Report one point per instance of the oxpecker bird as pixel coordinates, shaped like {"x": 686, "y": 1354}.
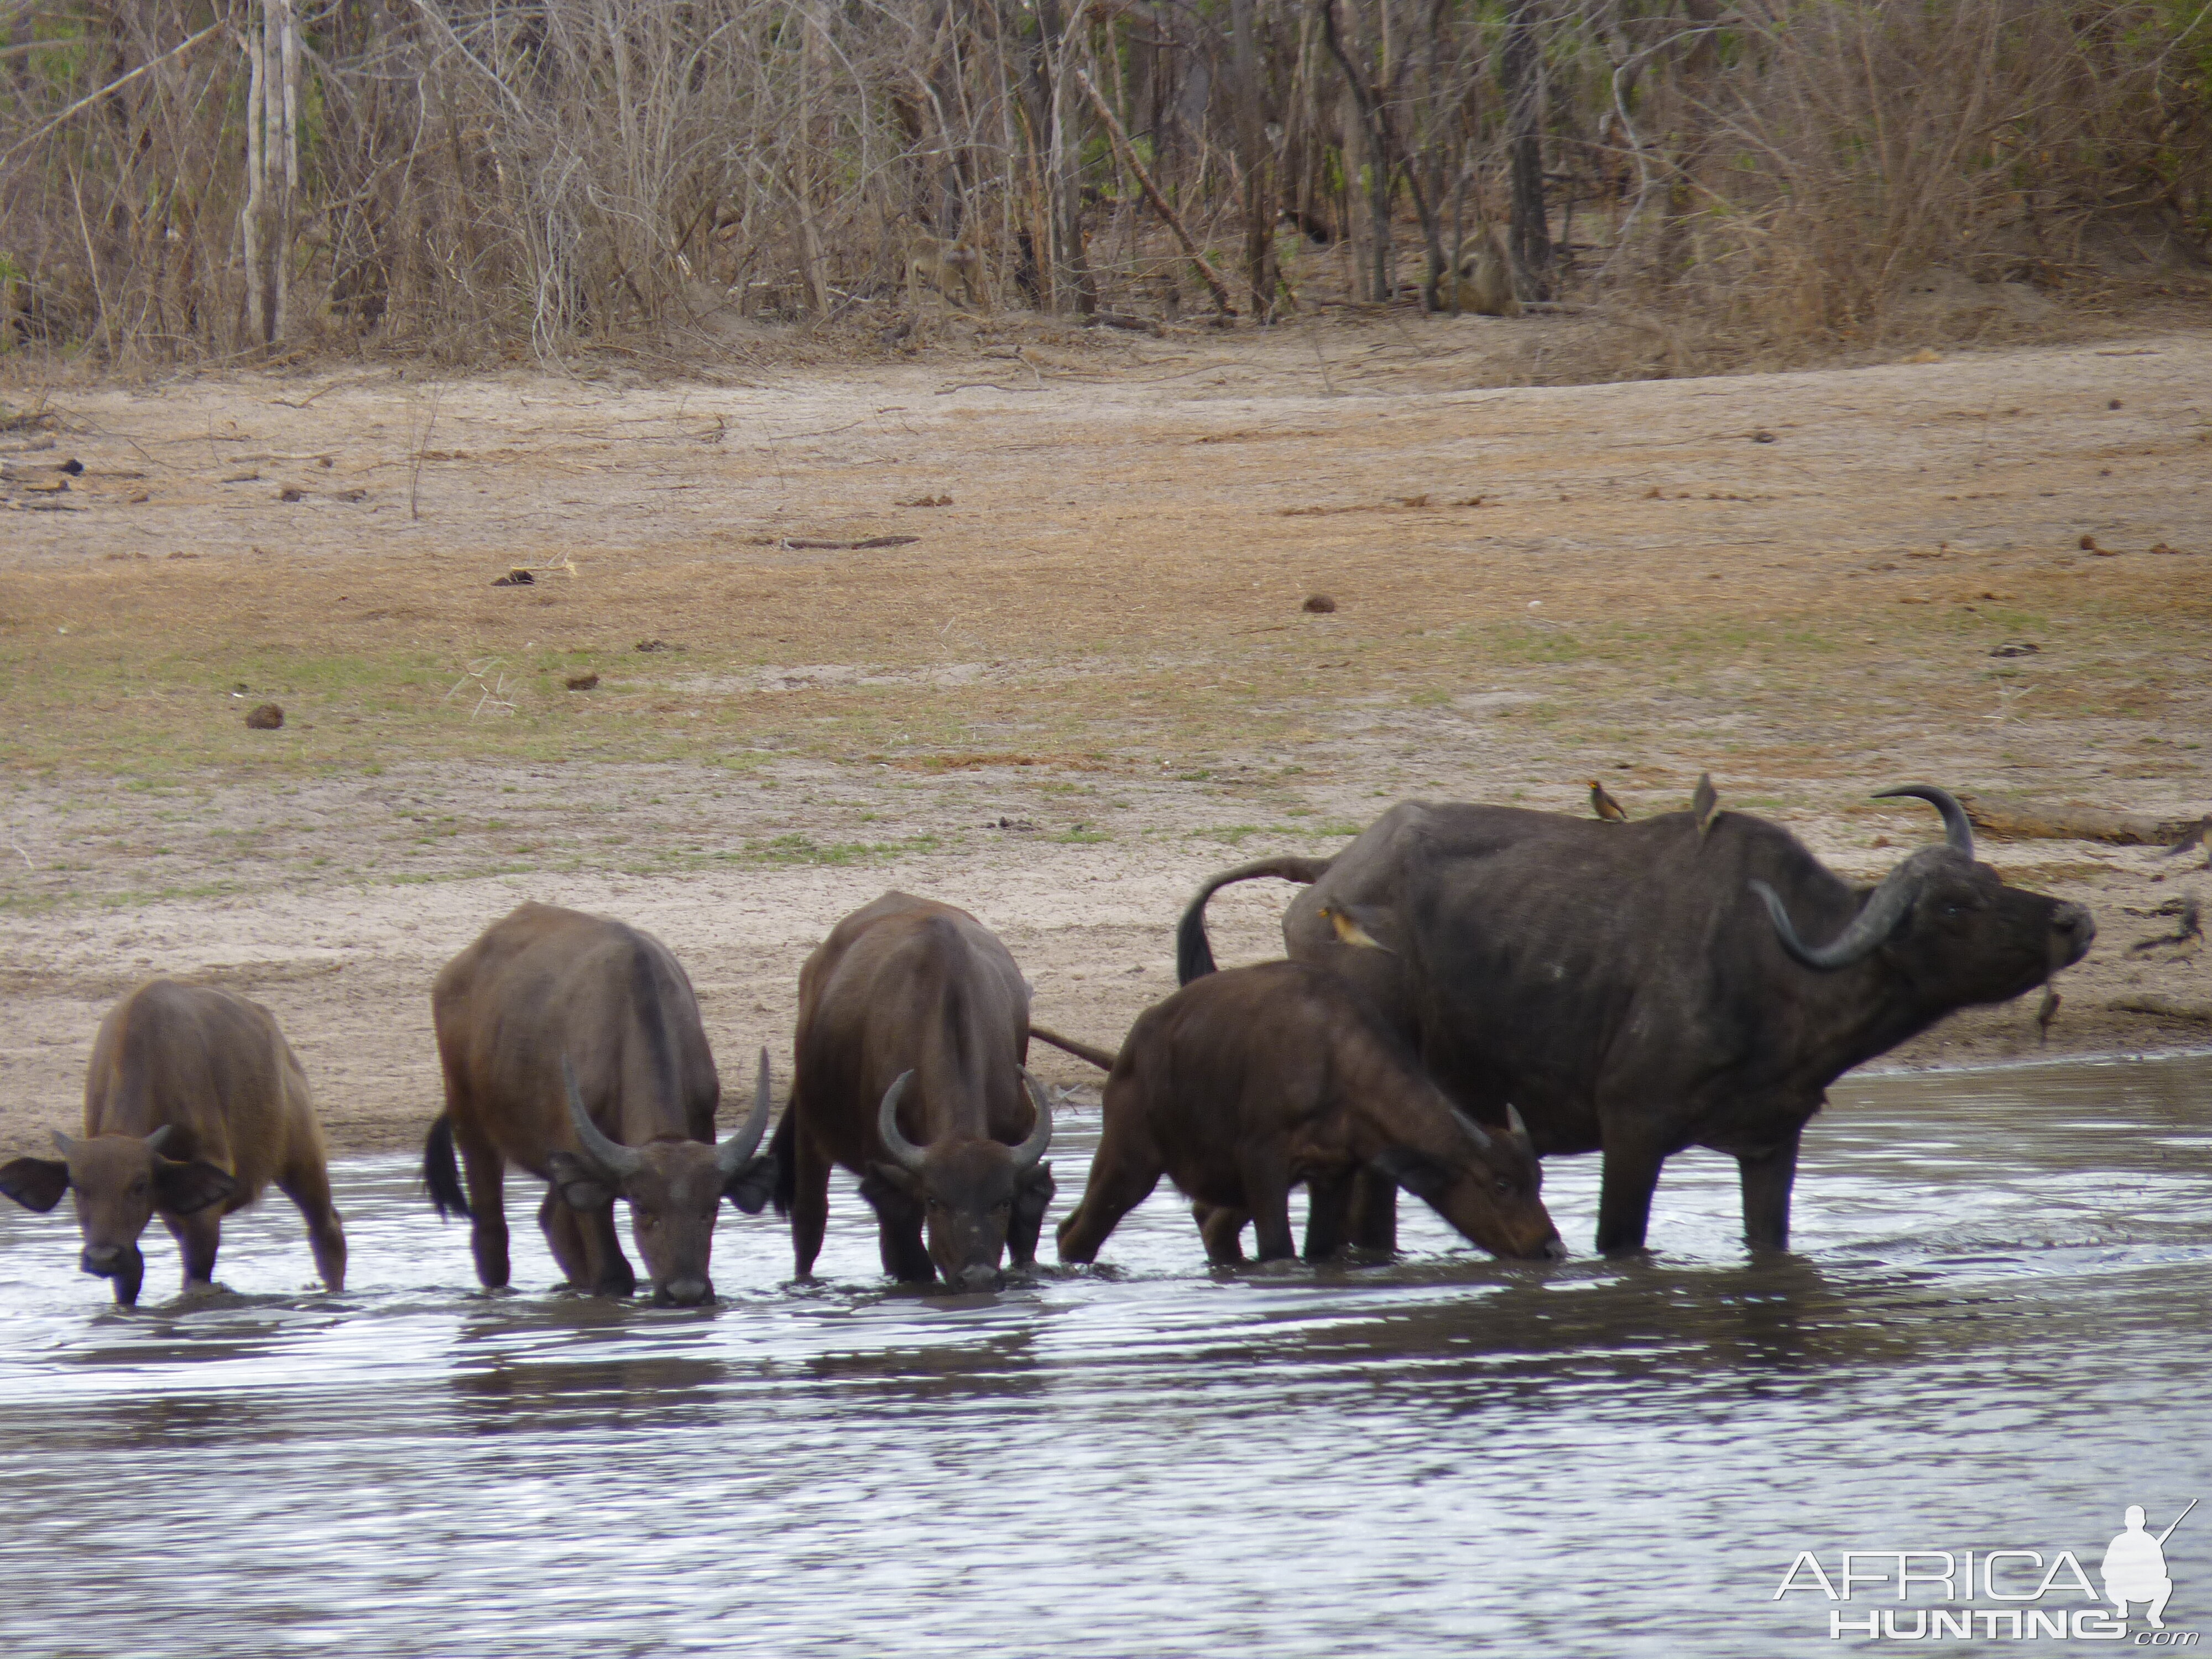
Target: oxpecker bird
{"x": 1705, "y": 803}
{"x": 1605, "y": 806}
{"x": 1350, "y": 928}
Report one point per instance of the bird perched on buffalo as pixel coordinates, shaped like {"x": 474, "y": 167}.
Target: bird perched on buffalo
{"x": 1605, "y": 806}
{"x": 1705, "y": 804}
{"x": 1352, "y": 924}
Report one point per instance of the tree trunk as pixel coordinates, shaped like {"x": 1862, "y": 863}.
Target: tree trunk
{"x": 1523, "y": 72}
{"x": 1253, "y": 155}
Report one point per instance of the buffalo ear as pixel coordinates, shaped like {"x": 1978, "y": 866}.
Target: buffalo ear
{"x": 1035, "y": 1194}
{"x": 582, "y": 1186}
{"x": 751, "y": 1188}
{"x": 1417, "y": 1172}
{"x": 36, "y": 1183}
{"x": 182, "y": 1188}
{"x": 888, "y": 1184}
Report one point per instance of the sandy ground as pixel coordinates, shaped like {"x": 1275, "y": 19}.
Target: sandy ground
{"x": 1086, "y": 683}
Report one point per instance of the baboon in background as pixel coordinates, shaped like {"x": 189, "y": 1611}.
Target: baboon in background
{"x": 954, "y": 269}
{"x": 1485, "y": 277}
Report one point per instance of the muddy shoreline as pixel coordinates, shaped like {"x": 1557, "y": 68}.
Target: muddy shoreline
{"x": 1039, "y": 648}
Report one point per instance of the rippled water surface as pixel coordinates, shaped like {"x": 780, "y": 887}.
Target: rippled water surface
{"x": 1995, "y": 1333}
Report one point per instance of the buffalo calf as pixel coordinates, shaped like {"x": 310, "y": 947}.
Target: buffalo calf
{"x": 571, "y": 1045}
{"x": 913, "y": 1030}
{"x": 1244, "y": 1084}
{"x": 193, "y": 1104}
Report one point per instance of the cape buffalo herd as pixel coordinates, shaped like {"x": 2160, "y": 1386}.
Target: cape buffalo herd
{"x": 1469, "y": 988}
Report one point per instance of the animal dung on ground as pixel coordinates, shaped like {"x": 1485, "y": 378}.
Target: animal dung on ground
{"x": 2017, "y": 648}
{"x": 2088, "y": 544}
{"x": 657, "y": 645}
{"x": 289, "y": 492}
{"x": 1319, "y": 603}
{"x": 349, "y": 495}
{"x": 926, "y": 500}
{"x": 517, "y": 577}
{"x": 2160, "y": 547}
{"x": 264, "y": 717}
{"x": 1762, "y": 436}
{"x": 582, "y": 682}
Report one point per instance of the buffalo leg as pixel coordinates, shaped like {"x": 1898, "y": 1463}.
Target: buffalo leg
{"x": 898, "y": 1237}
{"x": 1625, "y": 1188}
{"x": 485, "y": 1171}
{"x": 810, "y": 1202}
{"x": 1371, "y": 1219}
{"x": 1120, "y": 1181}
{"x": 565, "y": 1240}
{"x": 612, "y": 1274}
{"x": 1328, "y": 1199}
{"x": 1122, "y": 1175}
{"x": 1767, "y": 1179}
{"x": 1222, "y": 1227}
{"x": 309, "y": 1187}
{"x": 1267, "y": 1174}
{"x": 198, "y": 1235}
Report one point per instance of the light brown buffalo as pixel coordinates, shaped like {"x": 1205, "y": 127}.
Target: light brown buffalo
{"x": 572, "y": 1046}
{"x": 193, "y": 1103}
{"x": 913, "y": 1026}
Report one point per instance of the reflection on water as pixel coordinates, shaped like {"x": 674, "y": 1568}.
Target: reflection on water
{"x": 1995, "y": 1334}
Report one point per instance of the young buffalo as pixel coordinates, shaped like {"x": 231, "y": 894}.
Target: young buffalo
{"x": 1246, "y": 1083}
{"x": 193, "y": 1103}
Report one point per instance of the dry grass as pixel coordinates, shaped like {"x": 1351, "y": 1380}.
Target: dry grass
{"x": 676, "y": 184}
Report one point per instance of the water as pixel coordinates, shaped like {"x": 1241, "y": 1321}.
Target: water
{"x": 1995, "y": 1334}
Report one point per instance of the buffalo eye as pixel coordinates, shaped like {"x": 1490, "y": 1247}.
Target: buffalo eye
{"x": 138, "y": 1187}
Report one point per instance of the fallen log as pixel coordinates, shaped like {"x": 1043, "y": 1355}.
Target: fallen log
{"x": 2198, "y": 1013}
{"x": 2022, "y": 820}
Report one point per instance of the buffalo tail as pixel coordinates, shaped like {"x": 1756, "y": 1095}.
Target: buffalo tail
{"x": 1102, "y": 1058}
{"x": 1194, "y": 951}
{"x": 441, "y": 1174}
{"x": 783, "y": 1149}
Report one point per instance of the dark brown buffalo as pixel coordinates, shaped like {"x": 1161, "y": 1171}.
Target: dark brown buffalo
{"x": 1244, "y": 1084}
{"x": 1642, "y": 987}
{"x": 572, "y": 1046}
{"x": 913, "y": 1029}
{"x": 192, "y": 1104}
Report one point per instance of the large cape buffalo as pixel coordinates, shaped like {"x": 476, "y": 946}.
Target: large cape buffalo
{"x": 193, "y": 1104}
{"x": 572, "y": 1046}
{"x": 1244, "y": 1084}
{"x": 1641, "y": 988}
{"x": 913, "y": 1029}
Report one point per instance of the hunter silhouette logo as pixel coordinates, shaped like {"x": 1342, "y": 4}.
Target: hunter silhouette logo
{"x": 2002, "y": 1595}
{"x": 2135, "y": 1567}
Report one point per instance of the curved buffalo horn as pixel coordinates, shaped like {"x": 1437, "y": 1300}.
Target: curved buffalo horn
{"x": 732, "y": 1155}
{"x": 1958, "y": 832}
{"x": 1884, "y": 909}
{"x": 1027, "y": 1154}
{"x": 612, "y": 1156}
{"x": 904, "y": 1153}
{"x": 1475, "y": 1132}
{"x": 160, "y": 1138}
{"x": 1518, "y": 1126}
